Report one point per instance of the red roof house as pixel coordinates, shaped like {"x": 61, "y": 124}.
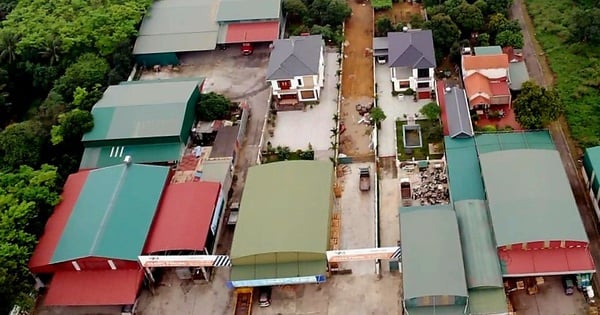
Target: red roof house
{"x": 486, "y": 80}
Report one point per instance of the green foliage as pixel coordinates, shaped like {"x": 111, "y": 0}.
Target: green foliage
{"x": 445, "y": 32}
{"x": 329, "y": 12}
{"x": 27, "y": 197}
{"x": 509, "y": 38}
{"x": 468, "y": 18}
{"x": 585, "y": 25}
{"x": 71, "y": 126}
{"x": 84, "y": 99}
{"x": 5, "y": 7}
{"x": 416, "y": 21}
{"x": 381, "y": 4}
{"x": 499, "y": 6}
{"x": 212, "y": 106}
{"x": 8, "y": 46}
{"x": 295, "y": 9}
{"x": 377, "y": 115}
{"x": 482, "y": 5}
{"x": 483, "y": 39}
{"x": 21, "y": 144}
{"x": 383, "y": 25}
{"x": 499, "y": 23}
{"x": 536, "y": 107}
{"x": 88, "y": 71}
{"x": 488, "y": 128}
{"x": 431, "y": 110}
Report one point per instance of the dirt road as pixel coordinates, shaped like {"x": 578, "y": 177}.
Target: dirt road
{"x": 540, "y": 72}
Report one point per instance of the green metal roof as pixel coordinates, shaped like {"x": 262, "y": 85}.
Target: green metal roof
{"x": 278, "y": 270}
{"x": 591, "y": 163}
{"x": 428, "y": 233}
{"x": 530, "y": 198}
{"x": 517, "y": 72}
{"x": 491, "y": 142}
{"x": 178, "y": 26}
{"x": 285, "y": 211}
{"x": 488, "y": 50}
{"x": 248, "y": 10}
{"x": 479, "y": 250}
{"x": 487, "y": 301}
{"x": 464, "y": 175}
{"x": 114, "y": 211}
{"x": 436, "y": 310}
{"x": 144, "y": 110}
{"x": 140, "y": 153}
{"x": 216, "y": 170}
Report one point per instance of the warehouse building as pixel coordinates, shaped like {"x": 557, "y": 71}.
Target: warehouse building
{"x": 590, "y": 169}
{"x": 282, "y": 232}
{"x": 150, "y": 121}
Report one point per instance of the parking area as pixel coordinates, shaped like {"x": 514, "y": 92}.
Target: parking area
{"x": 550, "y": 300}
{"x": 394, "y": 107}
{"x": 296, "y": 129}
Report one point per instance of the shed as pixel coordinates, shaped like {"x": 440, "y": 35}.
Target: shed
{"x": 428, "y": 233}
{"x": 464, "y": 174}
{"x": 290, "y": 204}
{"x": 458, "y": 116}
{"x": 227, "y": 143}
{"x": 149, "y": 121}
{"x": 487, "y": 50}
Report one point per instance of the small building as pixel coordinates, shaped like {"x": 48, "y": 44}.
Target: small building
{"x": 175, "y": 26}
{"x": 296, "y": 70}
{"x": 517, "y": 69}
{"x": 219, "y": 171}
{"x": 590, "y": 169}
{"x": 411, "y": 58}
{"x": 486, "y": 80}
{"x": 148, "y": 120}
{"x": 227, "y": 144}
{"x": 290, "y": 203}
{"x": 457, "y": 114}
{"x": 243, "y": 21}
{"x": 91, "y": 243}
{"x": 487, "y": 50}
{"x": 432, "y": 285}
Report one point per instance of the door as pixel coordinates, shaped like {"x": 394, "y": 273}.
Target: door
{"x": 424, "y": 95}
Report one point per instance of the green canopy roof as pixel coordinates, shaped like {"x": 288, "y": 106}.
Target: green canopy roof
{"x": 113, "y": 213}
{"x": 491, "y": 142}
{"x": 530, "y": 198}
{"x": 479, "y": 250}
{"x": 284, "y": 214}
{"x": 436, "y": 310}
{"x": 487, "y": 50}
{"x": 432, "y": 263}
{"x": 248, "y": 10}
{"x": 464, "y": 175}
{"x": 487, "y": 301}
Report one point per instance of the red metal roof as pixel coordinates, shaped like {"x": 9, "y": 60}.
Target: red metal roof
{"x": 547, "y": 261}
{"x": 99, "y": 287}
{"x": 252, "y": 32}
{"x": 184, "y": 217}
{"x": 442, "y": 102}
{"x": 499, "y": 88}
{"x": 56, "y": 223}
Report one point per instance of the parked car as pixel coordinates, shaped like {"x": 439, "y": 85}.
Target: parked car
{"x": 569, "y": 285}
{"x": 247, "y": 49}
{"x": 264, "y": 299}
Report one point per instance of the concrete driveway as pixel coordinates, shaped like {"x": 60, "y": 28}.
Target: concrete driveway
{"x": 394, "y": 107}
{"x": 296, "y": 129}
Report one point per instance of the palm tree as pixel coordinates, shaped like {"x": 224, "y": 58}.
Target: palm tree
{"x": 8, "y": 46}
{"x": 52, "y": 49}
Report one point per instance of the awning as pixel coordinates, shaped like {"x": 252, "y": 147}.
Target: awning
{"x": 97, "y": 157}
{"x": 279, "y": 270}
{"x": 252, "y": 32}
{"x": 556, "y": 261}
{"x": 102, "y": 287}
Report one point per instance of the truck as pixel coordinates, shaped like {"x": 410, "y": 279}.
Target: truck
{"x": 243, "y": 302}
{"x": 365, "y": 179}
{"x": 405, "y": 191}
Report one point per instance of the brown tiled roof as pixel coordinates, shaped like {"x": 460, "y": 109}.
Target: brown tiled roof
{"x": 485, "y": 62}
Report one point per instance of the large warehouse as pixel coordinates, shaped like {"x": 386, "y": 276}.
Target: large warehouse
{"x": 282, "y": 232}
{"x": 147, "y": 120}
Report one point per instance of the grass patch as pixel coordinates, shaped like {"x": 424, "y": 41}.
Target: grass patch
{"x": 576, "y": 65}
{"x": 431, "y": 132}
{"x": 381, "y": 4}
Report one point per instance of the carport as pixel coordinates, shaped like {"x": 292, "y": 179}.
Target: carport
{"x": 282, "y": 233}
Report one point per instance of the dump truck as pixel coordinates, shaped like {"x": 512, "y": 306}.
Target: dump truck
{"x": 365, "y": 179}
{"x": 243, "y": 302}
{"x": 405, "y": 191}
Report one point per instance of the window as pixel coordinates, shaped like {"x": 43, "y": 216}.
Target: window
{"x": 423, "y": 73}
{"x": 300, "y": 82}
{"x": 422, "y": 85}
{"x": 404, "y": 84}
{"x": 284, "y": 85}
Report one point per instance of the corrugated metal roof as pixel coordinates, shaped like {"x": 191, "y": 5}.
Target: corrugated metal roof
{"x": 457, "y": 113}
{"x": 140, "y": 153}
{"x": 248, "y": 10}
{"x": 290, "y": 203}
{"x": 428, "y": 233}
{"x": 412, "y": 49}
{"x": 524, "y": 210}
{"x": 216, "y": 170}
{"x": 491, "y": 142}
{"x": 517, "y": 72}
{"x": 591, "y": 162}
{"x": 487, "y": 50}
{"x": 546, "y": 262}
{"x": 144, "y": 110}
{"x": 184, "y": 217}
{"x": 178, "y": 25}
{"x": 115, "y": 202}
{"x": 225, "y": 142}
{"x": 295, "y": 56}
{"x": 479, "y": 250}
{"x": 287, "y": 269}
{"x": 487, "y": 301}
{"x": 436, "y": 310}
{"x": 252, "y": 32}
{"x": 94, "y": 287}
{"x": 464, "y": 174}
{"x": 56, "y": 223}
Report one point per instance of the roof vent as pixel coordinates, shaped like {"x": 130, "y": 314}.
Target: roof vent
{"x": 448, "y": 89}
{"x": 127, "y": 159}
{"x": 405, "y": 29}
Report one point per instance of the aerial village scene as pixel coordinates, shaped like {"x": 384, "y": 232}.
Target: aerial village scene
{"x": 279, "y": 157}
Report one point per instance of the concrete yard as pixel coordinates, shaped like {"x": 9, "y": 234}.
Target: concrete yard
{"x": 550, "y": 300}
{"x": 394, "y": 107}
{"x": 296, "y": 129}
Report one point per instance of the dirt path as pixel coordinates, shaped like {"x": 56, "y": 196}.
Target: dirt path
{"x": 540, "y": 72}
{"x": 357, "y": 80}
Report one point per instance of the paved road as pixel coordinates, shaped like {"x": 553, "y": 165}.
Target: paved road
{"x": 559, "y": 136}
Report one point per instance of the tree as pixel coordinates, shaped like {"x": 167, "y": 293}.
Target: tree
{"x": 383, "y": 25}
{"x": 431, "y": 110}
{"x": 377, "y": 116}
{"x": 536, "y": 106}
{"x": 499, "y": 23}
{"x": 325, "y": 31}
{"x": 212, "y": 106}
{"x": 71, "y": 126}
{"x": 445, "y": 32}
{"x": 332, "y": 12}
{"x": 88, "y": 71}
{"x": 499, "y": 6}
{"x": 468, "y": 17}
{"x": 416, "y": 21}
{"x": 21, "y": 144}
{"x": 84, "y": 99}
{"x": 295, "y": 9}
{"x": 482, "y": 6}
{"x": 483, "y": 39}
{"x": 510, "y": 38}
{"x": 585, "y": 25}
{"x": 8, "y": 46}
{"x": 51, "y": 50}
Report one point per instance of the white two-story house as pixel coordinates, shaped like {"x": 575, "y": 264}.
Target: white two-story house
{"x": 296, "y": 71}
{"x": 411, "y": 58}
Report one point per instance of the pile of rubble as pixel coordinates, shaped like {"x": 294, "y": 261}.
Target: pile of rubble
{"x": 433, "y": 189}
